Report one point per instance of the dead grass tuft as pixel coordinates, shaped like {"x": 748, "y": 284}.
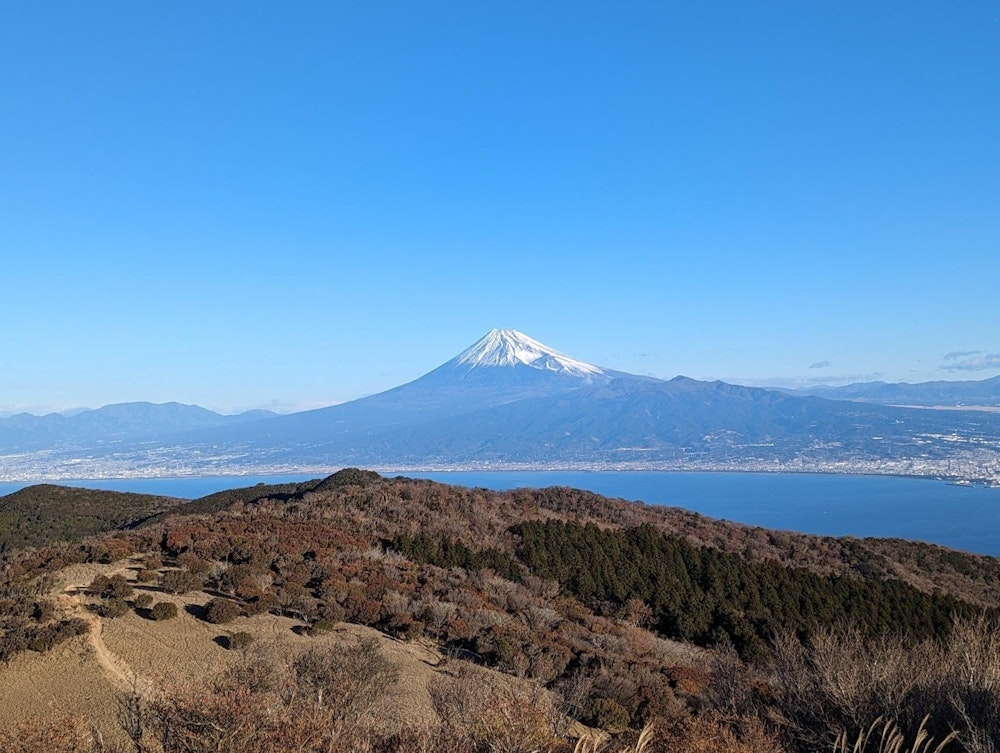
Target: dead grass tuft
{"x": 891, "y": 740}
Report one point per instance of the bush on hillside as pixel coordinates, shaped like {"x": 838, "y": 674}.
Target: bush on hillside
{"x": 163, "y": 610}
{"x": 321, "y": 627}
{"x": 219, "y": 611}
{"x": 238, "y": 641}
{"x": 111, "y": 608}
{"x": 265, "y": 602}
{"x": 114, "y": 587}
{"x": 43, "y": 638}
{"x": 64, "y": 735}
{"x": 608, "y": 715}
{"x": 179, "y": 581}
{"x": 43, "y": 611}
{"x": 143, "y": 601}
{"x": 193, "y": 563}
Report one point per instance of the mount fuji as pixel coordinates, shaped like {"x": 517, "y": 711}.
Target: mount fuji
{"x": 505, "y": 366}
{"x": 508, "y": 347}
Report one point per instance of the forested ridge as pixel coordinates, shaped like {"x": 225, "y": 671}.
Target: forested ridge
{"x": 42, "y": 514}
{"x": 709, "y": 597}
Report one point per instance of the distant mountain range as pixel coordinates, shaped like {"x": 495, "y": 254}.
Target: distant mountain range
{"x": 984, "y": 392}
{"x": 509, "y": 400}
{"x": 111, "y": 424}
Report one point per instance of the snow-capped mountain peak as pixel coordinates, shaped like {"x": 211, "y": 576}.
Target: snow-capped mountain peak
{"x": 508, "y": 347}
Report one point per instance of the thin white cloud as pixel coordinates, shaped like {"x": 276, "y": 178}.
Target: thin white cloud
{"x": 960, "y": 354}
{"x": 821, "y": 365}
{"x": 38, "y": 409}
{"x": 796, "y": 382}
{"x": 984, "y": 362}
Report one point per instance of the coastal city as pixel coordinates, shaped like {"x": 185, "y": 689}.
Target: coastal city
{"x": 979, "y": 466}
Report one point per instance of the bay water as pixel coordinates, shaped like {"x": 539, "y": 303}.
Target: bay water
{"x": 961, "y": 517}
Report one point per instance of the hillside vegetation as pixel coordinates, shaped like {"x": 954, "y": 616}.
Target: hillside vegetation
{"x": 600, "y": 611}
{"x": 46, "y": 513}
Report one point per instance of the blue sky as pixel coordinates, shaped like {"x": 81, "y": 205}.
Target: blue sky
{"x": 290, "y": 205}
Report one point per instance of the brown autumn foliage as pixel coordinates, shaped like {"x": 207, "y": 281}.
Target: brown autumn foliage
{"x": 163, "y": 610}
{"x": 332, "y": 701}
{"x": 64, "y": 735}
{"x": 219, "y": 611}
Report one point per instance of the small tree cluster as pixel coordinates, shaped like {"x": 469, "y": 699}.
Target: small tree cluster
{"x": 179, "y": 581}
{"x": 113, "y": 587}
{"x": 45, "y": 637}
{"x": 112, "y": 608}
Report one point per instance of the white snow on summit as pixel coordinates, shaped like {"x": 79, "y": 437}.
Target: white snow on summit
{"x": 508, "y": 347}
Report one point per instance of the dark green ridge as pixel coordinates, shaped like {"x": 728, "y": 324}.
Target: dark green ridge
{"x": 46, "y": 513}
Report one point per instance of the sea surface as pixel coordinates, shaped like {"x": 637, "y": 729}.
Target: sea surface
{"x": 962, "y": 517}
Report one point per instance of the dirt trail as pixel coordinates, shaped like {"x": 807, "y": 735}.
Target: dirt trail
{"x": 117, "y": 670}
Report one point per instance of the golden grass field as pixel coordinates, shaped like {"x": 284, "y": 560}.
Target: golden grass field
{"x": 86, "y": 676}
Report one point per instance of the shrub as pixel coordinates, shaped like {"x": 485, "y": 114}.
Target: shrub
{"x": 115, "y": 587}
{"x": 261, "y": 604}
{"x": 43, "y": 611}
{"x": 65, "y": 735}
{"x": 218, "y": 611}
{"x": 144, "y": 601}
{"x": 332, "y": 611}
{"x": 243, "y": 580}
{"x": 193, "y": 563}
{"x": 358, "y": 677}
{"x": 320, "y": 627}
{"x": 97, "y": 585}
{"x": 404, "y": 626}
{"x": 491, "y": 712}
{"x": 152, "y": 562}
{"x": 44, "y": 638}
{"x": 607, "y": 715}
{"x": 14, "y": 639}
{"x": 112, "y": 608}
{"x": 146, "y": 575}
{"x": 163, "y": 610}
{"x": 710, "y": 733}
{"x": 119, "y": 587}
{"x": 238, "y": 641}
{"x": 327, "y": 700}
{"x": 179, "y": 581}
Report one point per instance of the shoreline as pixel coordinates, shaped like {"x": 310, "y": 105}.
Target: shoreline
{"x": 308, "y": 473}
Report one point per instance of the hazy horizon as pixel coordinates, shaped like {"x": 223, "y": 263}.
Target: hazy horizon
{"x": 286, "y": 408}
